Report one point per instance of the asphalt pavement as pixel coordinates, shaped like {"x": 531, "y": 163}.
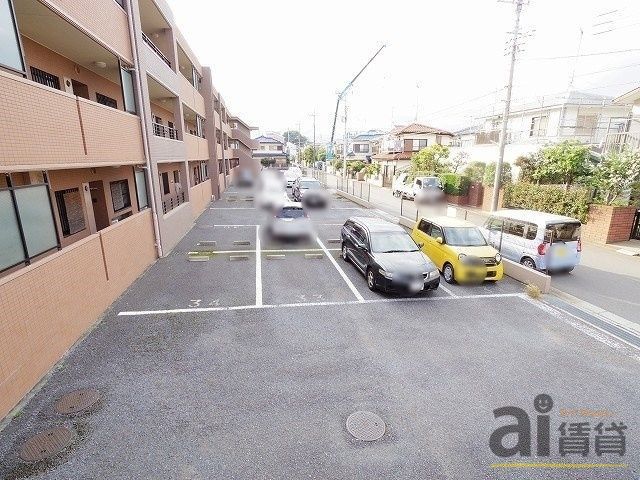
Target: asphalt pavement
{"x": 249, "y": 367}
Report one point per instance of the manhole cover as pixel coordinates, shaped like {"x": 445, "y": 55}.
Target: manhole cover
{"x": 365, "y": 426}
{"x": 46, "y": 444}
{"x": 77, "y": 401}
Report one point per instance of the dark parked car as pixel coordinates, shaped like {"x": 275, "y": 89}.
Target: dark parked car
{"x": 309, "y": 191}
{"x": 387, "y": 256}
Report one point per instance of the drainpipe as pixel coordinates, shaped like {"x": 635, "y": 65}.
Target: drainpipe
{"x": 145, "y": 133}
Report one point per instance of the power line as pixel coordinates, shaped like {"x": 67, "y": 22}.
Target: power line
{"x": 592, "y": 54}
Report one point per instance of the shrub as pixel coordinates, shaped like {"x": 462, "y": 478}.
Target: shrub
{"x": 455, "y": 184}
{"x": 430, "y": 158}
{"x": 475, "y": 171}
{"x": 490, "y": 172}
{"x": 548, "y": 198}
{"x": 372, "y": 169}
{"x": 355, "y": 166}
{"x": 533, "y": 291}
{"x": 617, "y": 172}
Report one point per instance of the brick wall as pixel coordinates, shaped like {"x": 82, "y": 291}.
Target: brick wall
{"x": 32, "y": 342}
{"x": 476, "y": 194}
{"x": 608, "y": 224}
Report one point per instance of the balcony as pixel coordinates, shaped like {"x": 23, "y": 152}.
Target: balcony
{"x": 238, "y": 134}
{"x": 197, "y": 148}
{"x": 156, "y": 50}
{"x": 616, "y": 142}
{"x": 77, "y": 138}
{"x": 160, "y": 130}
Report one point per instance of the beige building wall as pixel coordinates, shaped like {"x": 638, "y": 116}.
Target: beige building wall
{"x": 99, "y": 267}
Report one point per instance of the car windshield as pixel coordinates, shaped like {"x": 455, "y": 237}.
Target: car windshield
{"x": 310, "y": 184}
{"x": 565, "y": 232}
{"x": 392, "y": 242}
{"x": 291, "y": 212}
{"x": 431, "y": 182}
{"x": 464, "y": 237}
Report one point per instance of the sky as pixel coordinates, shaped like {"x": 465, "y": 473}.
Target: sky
{"x": 276, "y": 62}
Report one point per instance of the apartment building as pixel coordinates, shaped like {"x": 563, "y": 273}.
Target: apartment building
{"x": 591, "y": 119}
{"x": 113, "y": 140}
{"x": 396, "y": 147}
{"x": 629, "y": 137}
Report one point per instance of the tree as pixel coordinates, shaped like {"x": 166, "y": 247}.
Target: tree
{"x": 308, "y": 155}
{"x": 322, "y": 154}
{"x": 475, "y": 171}
{"x": 490, "y": 174}
{"x": 617, "y": 172}
{"x": 292, "y": 136}
{"x": 563, "y": 162}
{"x": 430, "y": 159}
{"x": 529, "y": 165}
{"x": 457, "y": 161}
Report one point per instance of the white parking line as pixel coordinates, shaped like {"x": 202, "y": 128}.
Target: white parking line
{"x": 231, "y": 208}
{"x": 258, "y": 269}
{"x": 447, "y": 291}
{"x": 318, "y": 304}
{"x": 289, "y": 250}
{"x": 234, "y": 226}
{"x": 340, "y": 271}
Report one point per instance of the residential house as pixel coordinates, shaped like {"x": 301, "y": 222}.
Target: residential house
{"x": 113, "y": 141}
{"x": 364, "y": 145}
{"x": 397, "y": 147}
{"x": 630, "y": 136}
{"x": 271, "y": 150}
{"x": 575, "y": 115}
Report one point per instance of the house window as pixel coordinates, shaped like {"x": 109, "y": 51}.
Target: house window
{"x": 176, "y": 176}
{"x": 360, "y": 148}
{"x": 120, "y": 195}
{"x": 538, "y": 126}
{"x": 199, "y": 126}
{"x": 69, "y": 203}
{"x": 10, "y": 55}
{"x": 419, "y": 144}
{"x": 108, "y": 101}
{"x": 165, "y": 183}
{"x": 586, "y": 124}
{"x": 44, "y": 78}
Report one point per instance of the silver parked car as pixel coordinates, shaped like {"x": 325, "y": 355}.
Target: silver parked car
{"x": 538, "y": 240}
{"x": 290, "y": 222}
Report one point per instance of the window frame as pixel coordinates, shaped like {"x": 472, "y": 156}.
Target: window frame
{"x": 16, "y": 32}
{"x": 126, "y": 206}
{"x": 60, "y": 203}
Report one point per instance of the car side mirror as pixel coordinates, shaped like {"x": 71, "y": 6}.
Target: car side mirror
{"x": 440, "y": 240}
{"x": 420, "y": 245}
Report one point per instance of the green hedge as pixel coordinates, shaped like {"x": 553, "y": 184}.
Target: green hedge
{"x": 548, "y": 198}
{"x": 455, "y": 184}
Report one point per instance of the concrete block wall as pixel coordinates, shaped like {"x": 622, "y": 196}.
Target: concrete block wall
{"x": 200, "y": 197}
{"x": 31, "y": 342}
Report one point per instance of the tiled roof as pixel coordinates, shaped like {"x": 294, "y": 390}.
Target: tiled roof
{"x": 419, "y": 128}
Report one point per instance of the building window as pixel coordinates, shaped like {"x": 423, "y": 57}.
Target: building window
{"x": 200, "y": 126}
{"x": 165, "y": 183}
{"x": 128, "y": 90}
{"x": 419, "y": 144}
{"x": 108, "y": 101}
{"x": 586, "y": 124}
{"x": 10, "y": 55}
{"x": 538, "y": 126}
{"x": 28, "y": 227}
{"x": 141, "y": 189}
{"x": 69, "y": 203}
{"x": 121, "y": 3}
{"x": 360, "y": 148}
{"x": 48, "y": 79}
{"x": 220, "y": 168}
{"x": 120, "y": 197}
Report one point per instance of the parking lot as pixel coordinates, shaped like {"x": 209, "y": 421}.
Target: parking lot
{"x": 239, "y": 357}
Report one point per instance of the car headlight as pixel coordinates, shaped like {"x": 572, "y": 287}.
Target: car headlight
{"x": 431, "y": 274}
{"x": 386, "y": 274}
{"x": 498, "y": 258}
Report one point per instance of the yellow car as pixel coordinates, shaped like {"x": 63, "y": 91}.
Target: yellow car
{"x": 458, "y": 249}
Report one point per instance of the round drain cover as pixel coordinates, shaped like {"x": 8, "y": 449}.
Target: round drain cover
{"x": 365, "y": 426}
{"x": 77, "y": 401}
{"x": 46, "y": 444}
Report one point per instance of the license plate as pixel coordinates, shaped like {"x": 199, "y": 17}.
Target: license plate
{"x": 416, "y": 286}
{"x": 561, "y": 252}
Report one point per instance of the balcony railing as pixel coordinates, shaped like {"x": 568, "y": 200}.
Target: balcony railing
{"x": 160, "y": 130}
{"x": 169, "y": 203}
{"x": 153, "y": 46}
{"x": 617, "y": 142}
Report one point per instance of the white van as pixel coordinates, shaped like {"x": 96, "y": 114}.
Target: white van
{"x": 538, "y": 240}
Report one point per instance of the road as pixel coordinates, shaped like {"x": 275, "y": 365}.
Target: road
{"x": 249, "y": 368}
{"x": 604, "y": 278}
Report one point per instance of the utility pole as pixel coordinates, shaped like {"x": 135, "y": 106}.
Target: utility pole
{"x": 299, "y": 150}
{"x": 507, "y": 107}
{"x": 345, "y": 145}
{"x": 315, "y": 153}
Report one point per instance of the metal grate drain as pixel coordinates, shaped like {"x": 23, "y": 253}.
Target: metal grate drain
{"x": 46, "y": 444}
{"x": 365, "y": 426}
{"x": 77, "y": 401}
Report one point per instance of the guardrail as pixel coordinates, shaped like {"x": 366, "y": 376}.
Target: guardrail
{"x": 160, "y": 130}
{"x": 157, "y": 51}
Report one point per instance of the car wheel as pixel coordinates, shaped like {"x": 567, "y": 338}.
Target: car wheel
{"x": 528, "y": 262}
{"x": 344, "y": 254}
{"x": 448, "y": 273}
{"x": 371, "y": 280}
